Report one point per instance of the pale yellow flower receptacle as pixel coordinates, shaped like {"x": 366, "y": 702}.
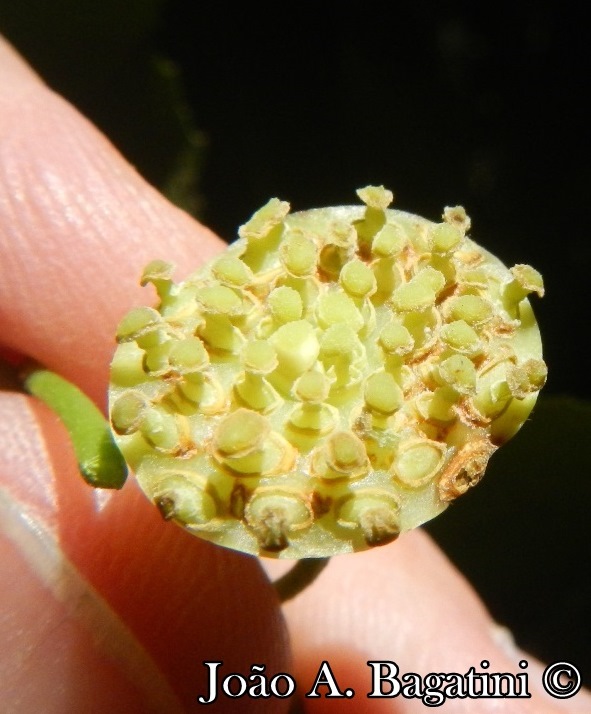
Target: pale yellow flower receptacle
{"x": 338, "y": 376}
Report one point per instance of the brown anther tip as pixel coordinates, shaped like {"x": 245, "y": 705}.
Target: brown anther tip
{"x": 379, "y": 526}
{"x": 271, "y": 530}
{"x": 465, "y": 469}
{"x": 167, "y": 507}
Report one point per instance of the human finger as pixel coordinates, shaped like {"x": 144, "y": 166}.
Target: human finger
{"x": 76, "y": 226}
{"x": 406, "y": 604}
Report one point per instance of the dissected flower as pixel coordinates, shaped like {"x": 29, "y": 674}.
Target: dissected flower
{"x": 336, "y": 377}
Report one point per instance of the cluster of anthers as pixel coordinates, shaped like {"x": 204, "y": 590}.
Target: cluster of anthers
{"x": 336, "y": 377}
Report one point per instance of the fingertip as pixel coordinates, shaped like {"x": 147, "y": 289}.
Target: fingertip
{"x": 78, "y": 226}
{"x": 15, "y": 73}
{"x": 406, "y": 604}
{"x": 180, "y": 600}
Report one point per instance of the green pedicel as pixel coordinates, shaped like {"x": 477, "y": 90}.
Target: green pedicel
{"x": 99, "y": 460}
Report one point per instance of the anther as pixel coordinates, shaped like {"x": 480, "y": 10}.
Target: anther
{"x": 184, "y": 500}
{"x": 374, "y": 512}
{"x": 276, "y": 515}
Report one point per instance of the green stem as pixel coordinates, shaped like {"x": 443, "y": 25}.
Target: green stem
{"x": 303, "y": 573}
{"x": 99, "y": 460}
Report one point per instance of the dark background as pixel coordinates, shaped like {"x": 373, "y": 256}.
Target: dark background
{"x": 445, "y": 103}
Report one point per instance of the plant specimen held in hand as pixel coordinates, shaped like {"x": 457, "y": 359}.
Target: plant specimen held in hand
{"x": 336, "y": 377}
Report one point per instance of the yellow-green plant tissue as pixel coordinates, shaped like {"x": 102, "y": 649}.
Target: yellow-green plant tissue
{"x": 336, "y": 377}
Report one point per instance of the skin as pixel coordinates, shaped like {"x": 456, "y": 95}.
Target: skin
{"x": 104, "y": 606}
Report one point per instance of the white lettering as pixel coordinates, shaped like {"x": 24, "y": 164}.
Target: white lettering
{"x": 326, "y": 678}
